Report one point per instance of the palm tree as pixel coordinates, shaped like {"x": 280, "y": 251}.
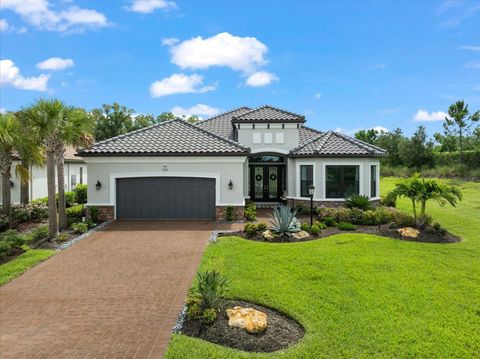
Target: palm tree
{"x": 76, "y": 131}
{"x": 13, "y": 143}
{"x": 45, "y": 119}
{"x": 419, "y": 191}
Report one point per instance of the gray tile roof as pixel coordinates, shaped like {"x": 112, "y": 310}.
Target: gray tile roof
{"x": 171, "y": 137}
{"x": 269, "y": 114}
{"x": 222, "y": 124}
{"x": 336, "y": 144}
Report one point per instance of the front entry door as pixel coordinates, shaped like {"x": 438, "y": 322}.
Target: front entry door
{"x": 266, "y": 183}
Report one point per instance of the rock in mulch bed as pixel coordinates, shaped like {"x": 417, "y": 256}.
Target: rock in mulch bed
{"x": 281, "y": 331}
{"x": 426, "y": 235}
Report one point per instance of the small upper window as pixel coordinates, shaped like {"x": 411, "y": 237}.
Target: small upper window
{"x": 306, "y": 179}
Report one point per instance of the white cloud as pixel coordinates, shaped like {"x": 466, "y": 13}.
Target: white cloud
{"x": 197, "y": 110}
{"x": 470, "y": 47}
{"x": 379, "y": 129}
{"x": 473, "y": 65}
{"x": 3, "y": 25}
{"x": 318, "y": 95}
{"x": 261, "y": 78}
{"x": 148, "y": 6}
{"x": 425, "y": 116}
{"x": 55, "y": 64}
{"x": 179, "y": 83}
{"x": 10, "y": 75}
{"x": 244, "y": 54}
{"x": 169, "y": 41}
{"x": 40, "y": 14}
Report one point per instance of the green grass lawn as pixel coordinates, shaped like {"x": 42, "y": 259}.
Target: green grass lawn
{"x": 19, "y": 265}
{"x": 359, "y": 295}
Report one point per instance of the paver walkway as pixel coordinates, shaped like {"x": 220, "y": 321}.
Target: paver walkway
{"x": 116, "y": 294}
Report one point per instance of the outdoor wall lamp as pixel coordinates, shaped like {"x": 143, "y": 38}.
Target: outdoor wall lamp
{"x": 98, "y": 185}
{"x": 230, "y": 185}
{"x": 311, "y": 191}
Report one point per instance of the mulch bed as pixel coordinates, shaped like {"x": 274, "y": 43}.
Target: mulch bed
{"x": 281, "y": 331}
{"x": 425, "y": 236}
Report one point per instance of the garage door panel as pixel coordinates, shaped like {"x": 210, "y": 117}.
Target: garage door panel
{"x": 166, "y": 197}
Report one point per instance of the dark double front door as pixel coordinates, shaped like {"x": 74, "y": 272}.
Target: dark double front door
{"x": 266, "y": 182}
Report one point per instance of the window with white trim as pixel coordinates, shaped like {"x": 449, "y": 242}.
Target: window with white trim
{"x": 306, "y": 179}
{"x": 373, "y": 181}
{"x": 342, "y": 181}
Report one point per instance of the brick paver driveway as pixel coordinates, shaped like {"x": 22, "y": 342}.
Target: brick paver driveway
{"x": 115, "y": 294}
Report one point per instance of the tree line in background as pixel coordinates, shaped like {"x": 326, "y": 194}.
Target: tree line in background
{"x": 457, "y": 149}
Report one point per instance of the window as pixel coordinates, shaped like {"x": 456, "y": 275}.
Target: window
{"x": 306, "y": 179}
{"x": 279, "y": 138}
{"x": 342, "y": 181}
{"x": 267, "y": 137}
{"x": 373, "y": 181}
{"x": 257, "y": 138}
{"x": 81, "y": 175}
{"x": 73, "y": 181}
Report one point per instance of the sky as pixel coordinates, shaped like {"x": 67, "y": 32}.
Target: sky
{"x": 345, "y": 65}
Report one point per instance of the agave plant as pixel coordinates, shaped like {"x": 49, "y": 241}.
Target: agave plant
{"x": 284, "y": 220}
{"x": 210, "y": 287}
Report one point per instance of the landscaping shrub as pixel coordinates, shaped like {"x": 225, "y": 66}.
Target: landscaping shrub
{"x": 358, "y": 201}
{"x": 330, "y": 222}
{"x": 39, "y": 233}
{"x": 206, "y": 296}
{"x": 76, "y": 212}
{"x": 93, "y": 214}
{"x": 62, "y": 237}
{"x": 9, "y": 242}
{"x": 20, "y": 213}
{"x": 305, "y": 227}
{"x": 340, "y": 214}
{"x": 284, "y": 220}
{"x": 81, "y": 193}
{"x": 80, "y": 227}
{"x": 250, "y": 211}
{"x": 315, "y": 229}
{"x": 70, "y": 199}
{"x": 229, "y": 214}
{"x": 345, "y": 226}
{"x": 38, "y": 211}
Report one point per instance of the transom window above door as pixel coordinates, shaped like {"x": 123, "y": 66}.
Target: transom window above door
{"x": 342, "y": 181}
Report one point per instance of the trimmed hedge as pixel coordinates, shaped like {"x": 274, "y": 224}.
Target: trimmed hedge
{"x": 471, "y": 159}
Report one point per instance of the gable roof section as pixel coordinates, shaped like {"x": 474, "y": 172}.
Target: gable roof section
{"x": 175, "y": 137}
{"x": 268, "y": 114}
{"x": 221, "y": 124}
{"x": 334, "y": 144}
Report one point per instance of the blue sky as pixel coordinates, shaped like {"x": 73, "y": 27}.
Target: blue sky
{"x": 344, "y": 65}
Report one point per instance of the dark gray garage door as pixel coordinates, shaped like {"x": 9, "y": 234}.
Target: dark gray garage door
{"x": 166, "y": 197}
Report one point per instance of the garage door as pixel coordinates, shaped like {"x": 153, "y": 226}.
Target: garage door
{"x": 166, "y": 197}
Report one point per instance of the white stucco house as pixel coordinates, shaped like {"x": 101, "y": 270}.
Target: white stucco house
{"x": 75, "y": 173}
{"x": 177, "y": 170}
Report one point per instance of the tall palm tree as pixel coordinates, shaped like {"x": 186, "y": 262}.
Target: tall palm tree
{"x": 46, "y": 119}
{"x": 420, "y": 191}
{"x": 13, "y": 143}
{"x": 76, "y": 131}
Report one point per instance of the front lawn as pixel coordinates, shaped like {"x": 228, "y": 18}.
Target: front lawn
{"x": 360, "y": 295}
{"x": 19, "y": 265}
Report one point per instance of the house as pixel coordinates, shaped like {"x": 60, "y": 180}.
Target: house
{"x": 177, "y": 170}
{"x": 75, "y": 173}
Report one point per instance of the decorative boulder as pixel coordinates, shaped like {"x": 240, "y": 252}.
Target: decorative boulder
{"x": 252, "y": 320}
{"x": 300, "y": 235}
{"x": 268, "y": 235}
{"x": 408, "y": 232}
